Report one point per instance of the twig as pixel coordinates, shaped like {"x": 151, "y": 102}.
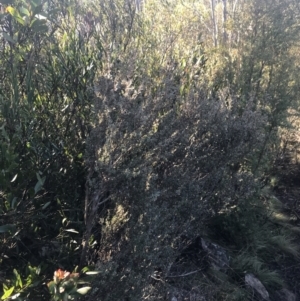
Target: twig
{"x": 184, "y": 275}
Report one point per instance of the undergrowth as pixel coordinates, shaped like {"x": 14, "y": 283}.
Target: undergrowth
{"x": 127, "y": 131}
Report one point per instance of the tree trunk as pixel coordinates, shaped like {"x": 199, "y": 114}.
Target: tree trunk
{"x": 224, "y": 21}
{"x": 214, "y": 21}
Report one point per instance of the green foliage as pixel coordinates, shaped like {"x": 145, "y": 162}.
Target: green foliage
{"x": 184, "y": 137}
{"x": 47, "y": 74}
{"x": 160, "y": 126}
{"x": 65, "y": 286}
{"x": 18, "y": 287}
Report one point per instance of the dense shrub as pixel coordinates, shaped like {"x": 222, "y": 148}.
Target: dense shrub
{"x": 165, "y": 168}
{"x": 124, "y": 131}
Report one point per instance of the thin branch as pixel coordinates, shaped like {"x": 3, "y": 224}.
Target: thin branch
{"x": 184, "y": 275}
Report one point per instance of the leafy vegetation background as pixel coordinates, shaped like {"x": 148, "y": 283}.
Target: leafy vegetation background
{"x": 125, "y": 130}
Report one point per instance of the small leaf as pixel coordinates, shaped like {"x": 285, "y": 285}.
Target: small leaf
{"x": 85, "y": 269}
{"x": 13, "y": 202}
{"x": 16, "y": 15}
{"x": 71, "y": 230}
{"x": 92, "y": 273}
{"x": 46, "y": 205}
{"x": 37, "y": 187}
{"x": 38, "y": 270}
{"x": 41, "y": 180}
{"x": 10, "y": 9}
{"x": 18, "y": 278}
{"x": 14, "y": 178}
{"x": 16, "y": 273}
{"x": 83, "y": 290}
{"x": 8, "y": 293}
{"x": 39, "y": 177}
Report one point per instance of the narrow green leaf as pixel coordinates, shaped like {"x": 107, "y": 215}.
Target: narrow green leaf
{"x": 18, "y": 278}
{"x": 13, "y": 202}
{"x": 15, "y": 14}
{"x": 38, "y": 270}
{"x": 39, "y": 177}
{"x": 37, "y": 187}
{"x": 85, "y": 269}
{"x": 46, "y": 205}
{"x": 16, "y": 273}
{"x": 8, "y": 293}
{"x": 41, "y": 180}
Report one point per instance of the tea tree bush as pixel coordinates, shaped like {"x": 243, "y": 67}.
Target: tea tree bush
{"x": 125, "y": 129}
